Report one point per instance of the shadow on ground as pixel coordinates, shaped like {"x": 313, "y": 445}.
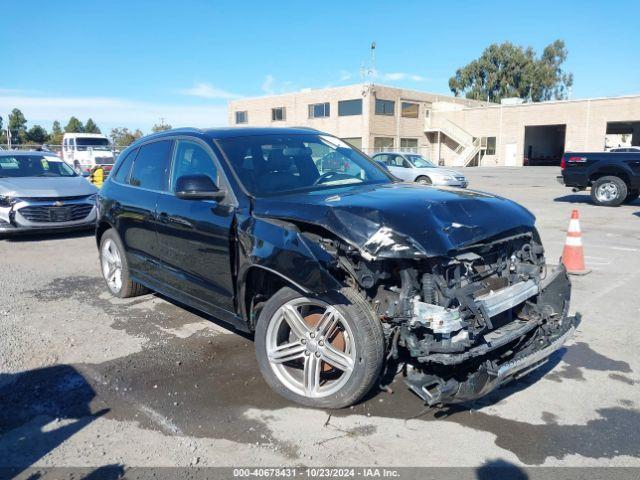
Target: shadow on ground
{"x": 46, "y": 236}
{"x": 41, "y": 409}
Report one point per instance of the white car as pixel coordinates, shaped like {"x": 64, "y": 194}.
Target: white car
{"x": 83, "y": 151}
{"x": 413, "y": 167}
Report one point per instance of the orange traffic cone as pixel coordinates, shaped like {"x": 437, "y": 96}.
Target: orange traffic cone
{"x": 573, "y": 253}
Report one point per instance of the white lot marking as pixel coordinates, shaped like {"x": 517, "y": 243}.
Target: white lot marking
{"x": 188, "y": 329}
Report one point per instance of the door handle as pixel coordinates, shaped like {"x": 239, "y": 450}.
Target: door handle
{"x": 166, "y": 218}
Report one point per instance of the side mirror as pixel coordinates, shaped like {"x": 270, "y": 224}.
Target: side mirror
{"x": 197, "y": 187}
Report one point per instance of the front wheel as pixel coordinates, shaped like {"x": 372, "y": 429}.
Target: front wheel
{"x": 422, "y": 180}
{"x": 609, "y": 191}
{"x": 325, "y": 351}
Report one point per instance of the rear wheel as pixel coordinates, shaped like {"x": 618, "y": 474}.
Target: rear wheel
{"x": 321, "y": 351}
{"x": 115, "y": 270}
{"x": 422, "y": 180}
{"x": 632, "y": 196}
{"x": 609, "y": 191}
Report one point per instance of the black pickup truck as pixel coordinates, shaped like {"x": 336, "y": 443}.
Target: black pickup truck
{"x": 614, "y": 178}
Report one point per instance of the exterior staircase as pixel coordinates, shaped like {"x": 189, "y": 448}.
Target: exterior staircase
{"x": 469, "y": 150}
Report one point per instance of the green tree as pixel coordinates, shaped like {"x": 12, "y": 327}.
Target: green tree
{"x": 17, "y": 124}
{"x": 123, "y": 137}
{"x": 91, "y": 127}
{"x": 55, "y": 137}
{"x": 161, "y": 127}
{"x": 3, "y": 137}
{"x": 74, "y": 126}
{"x": 508, "y": 70}
{"x": 37, "y": 135}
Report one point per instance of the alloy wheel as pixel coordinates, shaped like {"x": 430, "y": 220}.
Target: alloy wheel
{"x": 111, "y": 262}
{"x": 607, "y": 192}
{"x": 311, "y": 348}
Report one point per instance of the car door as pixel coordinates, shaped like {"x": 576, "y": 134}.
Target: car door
{"x": 194, "y": 235}
{"x": 398, "y": 167}
{"x": 135, "y": 202}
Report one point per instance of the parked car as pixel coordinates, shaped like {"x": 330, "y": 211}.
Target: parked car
{"x": 412, "y": 167}
{"x": 83, "y": 151}
{"x": 38, "y": 191}
{"x": 612, "y": 177}
{"x": 341, "y": 276}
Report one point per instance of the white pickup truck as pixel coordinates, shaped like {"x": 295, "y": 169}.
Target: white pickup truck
{"x": 83, "y": 151}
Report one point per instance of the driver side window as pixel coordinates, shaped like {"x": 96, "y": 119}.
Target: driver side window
{"x": 191, "y": 158}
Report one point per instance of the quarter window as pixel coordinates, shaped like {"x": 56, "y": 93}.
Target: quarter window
{"x": 385, "y": 107}
{"x": 192, "y": 158}
{"x": 319, "y": 110}
{"x": 409, "y": 110}
{"x": 350, "y": 107}
{"x": 241, "y": 117}
{"x": 150, "y": 167}
{"x": 122, "y": 174}
{"x": 278, "y": 114}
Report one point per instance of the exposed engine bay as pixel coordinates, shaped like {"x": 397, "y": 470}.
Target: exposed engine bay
{"x": 459, "y": 326}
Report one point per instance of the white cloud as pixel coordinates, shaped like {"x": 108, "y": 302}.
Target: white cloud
{"x": 206, "y": 90}
{"x": 395, "y": 76}
{"x": 108, "y": 112}
{"x": 272, "y": 86}
{"x": 267, "y": 85}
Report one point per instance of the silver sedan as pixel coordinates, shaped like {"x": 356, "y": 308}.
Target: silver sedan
{"x": 413, "y": 167}
{"x": 38, "y": 192}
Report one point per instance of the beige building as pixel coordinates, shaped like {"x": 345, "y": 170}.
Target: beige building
{"x": 453, "y": 131}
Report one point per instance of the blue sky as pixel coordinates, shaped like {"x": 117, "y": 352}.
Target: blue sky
{"x": 128, "y": 63}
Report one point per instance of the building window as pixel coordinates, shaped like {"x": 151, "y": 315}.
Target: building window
{"x": 319, "y": 110}
{"x": 385, "y": 107}
{"x": 381, "y": 144}
{"x": 278, "y": 114}
{"x": 241, "y": 117}
{"x": 491, "y": 146}
{"x": 354, "y": 142}
{"x": 350, "y": 107}
{"x": 409, "y": 144}
{"x": 409, "y": 110}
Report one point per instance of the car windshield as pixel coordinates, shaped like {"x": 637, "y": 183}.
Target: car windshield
{"x": 33, "y": 166}
{"x": 94, "y": 142}
{"x": 420, "y": 162}
{"x": 275, "y": 164}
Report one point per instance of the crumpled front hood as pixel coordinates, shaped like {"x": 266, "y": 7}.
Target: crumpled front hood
{"x": 402, "y": 220}
{"x": 49, "y": 187}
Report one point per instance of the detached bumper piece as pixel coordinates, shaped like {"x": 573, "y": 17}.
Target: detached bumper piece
{"x": 505, "y": 353}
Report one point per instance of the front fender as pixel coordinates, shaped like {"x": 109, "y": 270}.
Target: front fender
{"x": 281, "y": 248}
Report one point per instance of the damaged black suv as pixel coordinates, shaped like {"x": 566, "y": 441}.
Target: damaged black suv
{"x": 343, "y": 275}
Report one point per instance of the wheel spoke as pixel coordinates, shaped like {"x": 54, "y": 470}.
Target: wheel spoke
{"x": 337, "y": 359}
{"x": 312, "y": 368}
{"x": 295, "y": 321}
{"x": 287, "y": 352}
{"x": 328, "y": 322}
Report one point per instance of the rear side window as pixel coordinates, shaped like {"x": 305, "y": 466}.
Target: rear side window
{"x": 122, "y": 174}
{"x": 150, "y": 167}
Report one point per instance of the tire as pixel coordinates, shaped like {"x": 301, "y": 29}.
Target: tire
{"x": 123, "y": 287}
{"x": 422, "y": 180}
{"x": 609, "y": 191}
{"x": 632, "y": 196}
{"x": 356, "y": 336}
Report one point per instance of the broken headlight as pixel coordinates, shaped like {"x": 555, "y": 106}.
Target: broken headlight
{"x": 6, "y": 201}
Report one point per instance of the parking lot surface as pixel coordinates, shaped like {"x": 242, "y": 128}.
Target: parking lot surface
{"x": 89, "y": 380}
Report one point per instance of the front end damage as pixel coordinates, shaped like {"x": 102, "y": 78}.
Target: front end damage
{"x": 461, "y": 325}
